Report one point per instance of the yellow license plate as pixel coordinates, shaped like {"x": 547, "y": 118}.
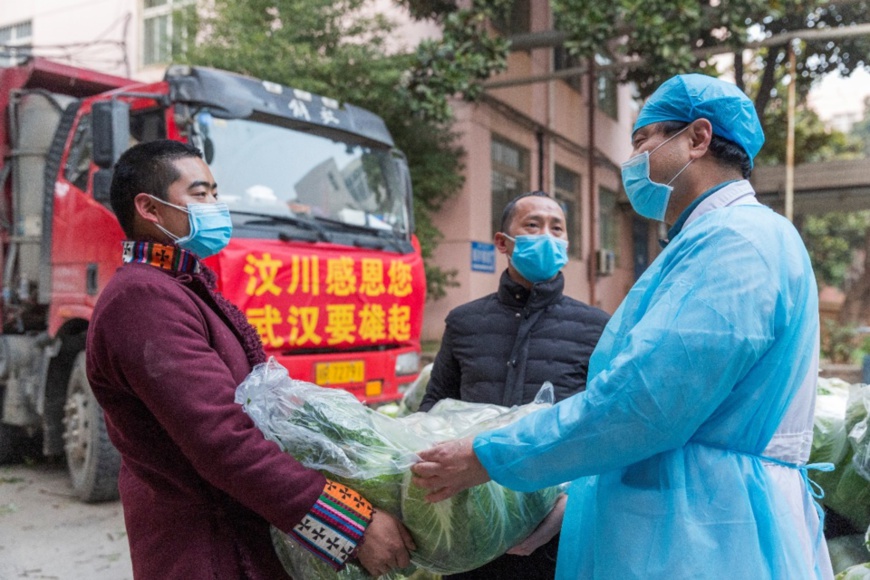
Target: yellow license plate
{"x": 339, "y": 373}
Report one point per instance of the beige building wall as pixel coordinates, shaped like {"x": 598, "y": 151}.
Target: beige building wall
{"x": 98, "y": 34}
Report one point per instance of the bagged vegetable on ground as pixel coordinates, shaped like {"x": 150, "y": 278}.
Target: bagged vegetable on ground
{"x": 847, "y": 551}
{"x": 850, "y": 557}
{"x": 858, "y": 420}
{"x": 840, "y": 437}
{"x": 331, "y": 431}
{"x": 859, "y": 572}
{"x": 412, "y": 398}
{"x": 829, "y": 421}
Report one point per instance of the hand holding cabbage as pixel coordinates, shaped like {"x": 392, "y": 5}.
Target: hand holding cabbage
{"x": 448, "y": 468}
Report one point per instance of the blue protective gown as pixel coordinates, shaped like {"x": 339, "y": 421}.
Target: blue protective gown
{"x": 711, "y": 354}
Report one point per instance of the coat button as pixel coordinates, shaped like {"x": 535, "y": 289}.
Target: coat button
{"x": 519, "y": 314}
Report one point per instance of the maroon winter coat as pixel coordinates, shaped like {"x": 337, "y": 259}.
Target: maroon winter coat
{"x": 198, "y": 481}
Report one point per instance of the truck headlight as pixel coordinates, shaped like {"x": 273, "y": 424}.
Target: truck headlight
{"x": 407, "y": 363}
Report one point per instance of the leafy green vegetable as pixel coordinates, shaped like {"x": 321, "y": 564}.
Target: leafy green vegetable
{"x": 330, "y": 430}
{"x": 829, "y": 427}
{"x": 840, "y": 437}
{"x": 473, "y": 527}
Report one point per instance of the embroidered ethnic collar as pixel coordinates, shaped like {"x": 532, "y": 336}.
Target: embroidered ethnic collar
{"x": 161, "y": 256}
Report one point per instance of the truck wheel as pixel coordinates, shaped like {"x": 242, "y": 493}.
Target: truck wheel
{"x": 10, "y": 439}
{"x": 92, "y": 460}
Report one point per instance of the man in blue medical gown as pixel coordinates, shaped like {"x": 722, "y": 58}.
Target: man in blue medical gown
{"x": 687, "y": 452}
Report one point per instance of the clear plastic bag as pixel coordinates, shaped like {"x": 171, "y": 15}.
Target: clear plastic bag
{"x": 331, "y": 431}
{"x": 412, "y": 398}
{"x": 840, "y": 437}
{"x": 859, "y": 434}
{"x": 829, "y": 421}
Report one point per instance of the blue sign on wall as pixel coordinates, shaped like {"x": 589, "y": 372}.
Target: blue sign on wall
{"x": 482, "y": 257}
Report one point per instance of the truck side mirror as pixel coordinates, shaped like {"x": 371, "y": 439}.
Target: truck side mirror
{"x": 110, "y": 131}
{"x": 101, "y": 185}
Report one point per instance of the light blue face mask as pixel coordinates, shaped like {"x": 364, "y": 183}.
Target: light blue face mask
{"x": 538, "y": 258}
{"x": 210, "y": 228}
{"x": 648, "y": 198}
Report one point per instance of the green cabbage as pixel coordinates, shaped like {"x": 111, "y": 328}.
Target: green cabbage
{"x": 829, "y": 425}
{"x": 330, "y": 430}
{"x": 840, "y": 437}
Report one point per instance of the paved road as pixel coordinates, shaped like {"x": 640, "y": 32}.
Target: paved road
{"x": 46, "y": 533}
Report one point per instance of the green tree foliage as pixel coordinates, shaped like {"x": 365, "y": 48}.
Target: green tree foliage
{"x": 815, "y": 58}
{"x": 814, "y": 142}
{"x": 835, "y": 239}
{"x": 831, "y": 239}
{"x": 667, "y": 37}
{"x": 340, "y": 49}
{"x": 463, "y": 57}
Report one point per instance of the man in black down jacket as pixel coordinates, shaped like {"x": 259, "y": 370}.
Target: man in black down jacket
{"x": 501, "y": 348}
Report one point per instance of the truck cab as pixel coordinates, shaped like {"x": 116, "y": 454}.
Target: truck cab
{"x": 323, "y": 260}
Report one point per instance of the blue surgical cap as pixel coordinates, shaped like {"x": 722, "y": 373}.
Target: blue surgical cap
{"x": 694, "y": 96}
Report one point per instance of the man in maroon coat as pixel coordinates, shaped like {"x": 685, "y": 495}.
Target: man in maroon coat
{"x": 199, "y": 483}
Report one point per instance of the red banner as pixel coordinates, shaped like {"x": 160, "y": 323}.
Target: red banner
{"x": 304, "y": 296}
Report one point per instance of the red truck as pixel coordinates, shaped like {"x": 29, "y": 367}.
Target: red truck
{"x": 323, "y": 259}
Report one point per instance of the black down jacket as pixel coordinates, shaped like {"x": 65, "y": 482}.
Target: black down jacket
{"x": 501, "y": 348}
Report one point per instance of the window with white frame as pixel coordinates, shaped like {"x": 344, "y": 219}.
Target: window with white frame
{"x": 608, "y": 96}
{"x": 510, "y": 176}
{"x": 15, "y": 42}
{"x": 562, "y": 60}
{"x": 166, "y": 29}
{"x": 608, "y": 220}
{"x": 567, "y": 190}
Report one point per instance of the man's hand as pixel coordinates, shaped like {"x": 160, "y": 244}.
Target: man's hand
{"x": 385, "y": 546}
{"x": 448, "y": 468}
{"x": 545, "y": 531}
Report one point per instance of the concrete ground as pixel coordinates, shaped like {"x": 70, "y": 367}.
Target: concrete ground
{"x": 46, "y": 533}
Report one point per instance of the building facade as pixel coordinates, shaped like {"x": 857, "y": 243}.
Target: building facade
{"x": 567, "y": 136}
{"x": 533, "y": 129}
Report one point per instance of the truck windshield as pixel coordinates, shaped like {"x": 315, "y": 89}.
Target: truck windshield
{"x": 270, "y": 170}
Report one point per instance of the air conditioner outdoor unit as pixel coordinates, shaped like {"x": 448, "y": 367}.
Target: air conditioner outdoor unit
{"x": 605, "y": 262}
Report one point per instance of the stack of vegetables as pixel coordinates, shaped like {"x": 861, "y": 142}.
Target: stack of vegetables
{"x": 331, "y": 431}
{"x": 840, "y": 436}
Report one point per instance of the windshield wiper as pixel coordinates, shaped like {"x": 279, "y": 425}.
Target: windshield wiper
{"x": 389, "y": 235}
{"x": 356, "y": 227}
{"x": 300, "y": 222}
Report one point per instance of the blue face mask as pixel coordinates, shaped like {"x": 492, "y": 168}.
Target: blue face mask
{"x": 538, "y": 258}
{"x": 648, "y": 198}
{"x": 210, "y": 228}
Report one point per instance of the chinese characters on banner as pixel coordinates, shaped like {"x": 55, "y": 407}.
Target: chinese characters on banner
{"x": 318, "y": 301}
